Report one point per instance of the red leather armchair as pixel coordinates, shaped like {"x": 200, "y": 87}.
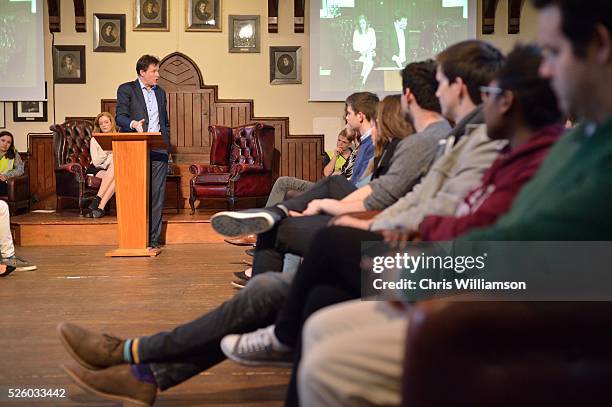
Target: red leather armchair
{"x": 508, "y": 354}
{"x": 18, "y": 192}
{"x": 241, "y": 160}
{"x": 71, "y": 150}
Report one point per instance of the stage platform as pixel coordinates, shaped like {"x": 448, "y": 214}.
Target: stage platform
{"x": 67, "y": 228}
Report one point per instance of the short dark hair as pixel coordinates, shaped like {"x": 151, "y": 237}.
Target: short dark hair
{"x": 364, "y": 102}
{"x": 474, "y": 61}
{"x": 519, "y": 75}
{"x": 579, "y": 19}
{"x": 420, "y": 78}
{"x": 144, "y": 62}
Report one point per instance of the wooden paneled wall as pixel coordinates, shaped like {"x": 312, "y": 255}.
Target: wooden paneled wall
{"x": 41, "y": 166}
{"x": 192, "y": 107}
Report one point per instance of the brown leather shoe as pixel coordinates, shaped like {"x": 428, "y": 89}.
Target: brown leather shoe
{"x": 92, "y": 350}
{"x": 247, "y": 240}
{"x": 115, "y": 383}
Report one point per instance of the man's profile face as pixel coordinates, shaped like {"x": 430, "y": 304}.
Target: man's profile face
{"x": 68, "y": 60}
{"x": 109, "y": 29}
{"x": 202, "y": 7}
{"x": 569, "y": 75}
{"x": 353, "y": 120}
{"x": 447, "y": 93}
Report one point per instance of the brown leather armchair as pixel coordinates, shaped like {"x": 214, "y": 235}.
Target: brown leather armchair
{"x": 18, "y": 192}
{"x": 71, "y": 150}
{"x": 508, "y": 354}
{"x": 241, "y": 160}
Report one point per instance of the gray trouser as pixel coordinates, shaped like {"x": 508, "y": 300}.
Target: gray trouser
{"x": 193, "y": 347}
{"x": 157, "y": 195}
{"x": 284, "y": 184}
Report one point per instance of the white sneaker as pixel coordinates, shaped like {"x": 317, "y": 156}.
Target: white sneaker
{"x": 259, "y": 348}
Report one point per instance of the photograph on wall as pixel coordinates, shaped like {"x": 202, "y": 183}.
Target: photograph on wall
{"x": 35, "y": 111}
{"x": 151, "y": 15}
{"x": 203, "y": 15}
{"x": 69, "y": 64}
{"x": 285, "y": 65}
{"x": 109, "y": 33}
{"x": 244, "y": 34}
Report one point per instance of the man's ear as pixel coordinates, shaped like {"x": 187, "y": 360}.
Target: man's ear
{"x": 462, "y": 87}
{"x": 506, "y": 101}
{"x": 604, "y": 44}
{"x": 408, "y": 95}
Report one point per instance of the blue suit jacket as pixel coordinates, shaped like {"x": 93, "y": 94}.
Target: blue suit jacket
{"x": 131, "y": 106}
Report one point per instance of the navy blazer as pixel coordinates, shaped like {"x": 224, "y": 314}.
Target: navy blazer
{"x": 131, "y": 106}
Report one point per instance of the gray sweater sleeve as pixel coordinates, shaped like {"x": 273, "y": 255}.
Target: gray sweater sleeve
{"x": 409, "y": 163}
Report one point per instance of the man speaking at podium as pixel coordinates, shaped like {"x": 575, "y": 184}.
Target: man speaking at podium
{"x": 141, "y": 107}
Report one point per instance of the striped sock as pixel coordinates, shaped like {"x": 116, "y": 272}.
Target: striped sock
{"x": 127, "y": 351}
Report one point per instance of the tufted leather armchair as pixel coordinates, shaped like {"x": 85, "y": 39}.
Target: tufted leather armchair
{"x": 71, "y": 150}
{"x": 241, "y": 160}
{"x": 18, "y": 192}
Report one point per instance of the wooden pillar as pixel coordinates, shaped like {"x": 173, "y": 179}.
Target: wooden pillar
{"x": 298, "y": 16}
{"x": 488, "y": 16}
{"x": 273, "y": 16}
{"x": 514, "y": 16}
{"x": 55, "y": 23}
{"x": 79, "y": 16}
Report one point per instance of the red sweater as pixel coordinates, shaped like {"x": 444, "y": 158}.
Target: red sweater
{"x": 500, "y": 184}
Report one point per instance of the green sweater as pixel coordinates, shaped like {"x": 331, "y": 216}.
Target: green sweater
{"x": 569, "y": 198}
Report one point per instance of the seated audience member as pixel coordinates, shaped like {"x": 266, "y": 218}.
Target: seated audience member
{"x": 520, "y": 107}
{"x": 102, "y": 165}
{"x": 10, "y": 161}
{"x": 334, "y": 160}
{"x": 9, "y": 261}
{"x": 333, "y": 255}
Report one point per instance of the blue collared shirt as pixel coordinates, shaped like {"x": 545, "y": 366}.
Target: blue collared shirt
{"x": 152, "y": 109}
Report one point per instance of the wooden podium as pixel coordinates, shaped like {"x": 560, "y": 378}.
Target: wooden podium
{"x": 131, "y": 162}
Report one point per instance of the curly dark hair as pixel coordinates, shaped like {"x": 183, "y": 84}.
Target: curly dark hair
{"x": 534, "y": 94}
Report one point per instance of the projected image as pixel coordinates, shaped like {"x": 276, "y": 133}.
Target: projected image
{"x": 362, "y": 44}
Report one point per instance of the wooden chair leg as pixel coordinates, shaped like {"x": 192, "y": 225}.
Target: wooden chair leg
{"x": 192, "y": 200}
{"x": 231, "y": 202}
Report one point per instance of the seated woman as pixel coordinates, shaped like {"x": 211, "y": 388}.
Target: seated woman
{"x": 10, "y": 161}
{"x": 102, "y": 165}
{"x": 364, "y": 42}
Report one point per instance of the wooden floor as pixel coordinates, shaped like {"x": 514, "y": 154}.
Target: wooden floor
{"x": 128, "y": 297}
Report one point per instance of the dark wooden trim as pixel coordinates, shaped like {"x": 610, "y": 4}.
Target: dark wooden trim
{"x": 41, "y": 170}
{"x": 55, "y": 21}
{"x": 273, "y": 16}
{"x": 488, "y": 16}
{"x": 298, "y": 16}
{"x": 514, "y": 16}
{"x": 80, "y": 23}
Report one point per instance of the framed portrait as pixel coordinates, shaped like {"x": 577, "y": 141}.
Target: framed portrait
{"x": 244, "y": 34}
{"x": 69, "y": 64}
{"x": 203, "y": 15}
{"x": 151, "y": 15}
{"x": 33, "y": 111}
{"x": 285, "y": 65}
{"x": 2, "y": 119}
{"x": 109, "y": 33}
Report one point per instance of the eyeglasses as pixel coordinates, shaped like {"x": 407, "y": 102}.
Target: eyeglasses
{"x": 491, "y": 90}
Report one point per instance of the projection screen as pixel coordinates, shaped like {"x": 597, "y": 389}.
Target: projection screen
{"x": 22, "y": 56}
{"x": 363, "y": 44}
